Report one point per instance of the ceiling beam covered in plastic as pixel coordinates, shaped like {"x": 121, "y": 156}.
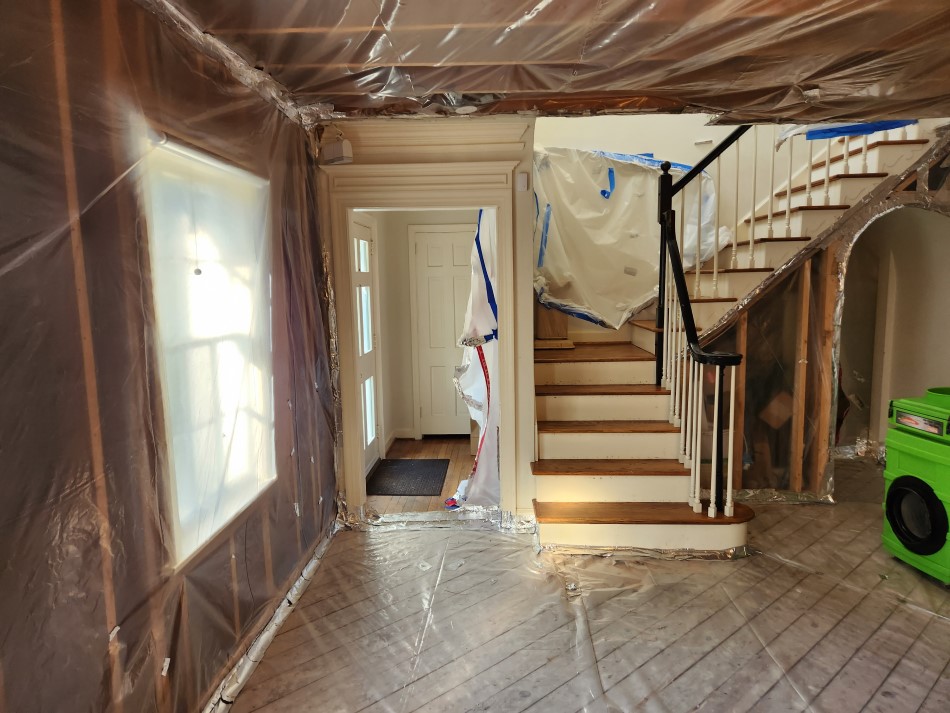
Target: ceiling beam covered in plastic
{"x": 748, "y": 60}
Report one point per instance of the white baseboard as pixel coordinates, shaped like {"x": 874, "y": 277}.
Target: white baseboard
{"x": 398, "y": 433}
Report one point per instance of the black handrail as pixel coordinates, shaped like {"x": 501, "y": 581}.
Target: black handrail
{"x": 670, "y": 249}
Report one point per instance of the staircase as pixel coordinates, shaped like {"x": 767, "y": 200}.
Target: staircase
{"x": 626, "y": 445}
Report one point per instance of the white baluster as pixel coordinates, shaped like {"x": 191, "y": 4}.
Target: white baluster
{"x": 696, "y": 471}
{"x": 682, "y": 229}
{"x": 734, "y": 262}
{"x": 771, "y": 182}
{"x": 828, "y": 174}
{"x": 730, "y": 508}
{"x": 677, "y": 370}
{"x": 903, "y": 133}
{"x": 864, "y": 154}
{"x": 810, "y": 145}
{"x": 687, "y": 427}
{"x": 847, "y": 155}
{"x": 755, "y": 161}
{"x": 715, "y": 279}
{"x": 715, "y": 442}
{"x": 788, "y": 186}
{"x": 699, "y": 232}
{"x": 667, "y": 320}
{"x": 698, "y": 428}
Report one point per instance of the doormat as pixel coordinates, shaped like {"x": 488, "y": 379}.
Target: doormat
{"x": 408, "y": 476}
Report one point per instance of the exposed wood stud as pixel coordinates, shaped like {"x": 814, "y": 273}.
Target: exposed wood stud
{"x": 796, "y": 461}
{"x": 84, "y": 319}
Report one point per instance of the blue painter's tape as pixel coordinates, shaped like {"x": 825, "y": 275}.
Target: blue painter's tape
{"x": 863, "y": 129}
{"x": 611, "y": 179}
{"x": 544, "y": 234}
{"x": 488, "y": 288}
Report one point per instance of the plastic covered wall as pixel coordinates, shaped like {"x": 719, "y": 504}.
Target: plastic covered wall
{"x": 98, "y": 614}
{"x": 751, "y": 60}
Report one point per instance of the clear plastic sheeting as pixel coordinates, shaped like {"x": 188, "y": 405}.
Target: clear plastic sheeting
{"x": 596, "y": 236}
{"x": 805, "y": 60}
{"x": 477, "y": 377}
{"x": 443, "y": 620}
{"x": 166, "y": 441}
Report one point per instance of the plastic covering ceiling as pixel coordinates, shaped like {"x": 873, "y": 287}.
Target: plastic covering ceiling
{"x": 802, "y": 60}
{"x": 101, "y": 606}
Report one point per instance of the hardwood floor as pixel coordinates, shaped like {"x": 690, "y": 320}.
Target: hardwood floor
{"x": 432, "y": 620}
{"x": 456, "y": 449}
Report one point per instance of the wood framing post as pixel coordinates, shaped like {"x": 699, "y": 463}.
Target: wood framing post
{"x": 796, "y": 462}
{"x": 84, "y": 319}
{"x": 828, "y": 289}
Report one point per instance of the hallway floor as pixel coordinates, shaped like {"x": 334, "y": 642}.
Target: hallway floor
{"x": 456, "y": 449}
{"x": 451, "y": 620}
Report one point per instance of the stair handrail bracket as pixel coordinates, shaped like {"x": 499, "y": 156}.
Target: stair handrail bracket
{"x": 682, "y": 361}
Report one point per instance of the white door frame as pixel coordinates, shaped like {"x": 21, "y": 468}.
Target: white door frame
{"x": 463, "y": 185}
{"x": 414, "y": 231}
{"x": 373, "y": 225}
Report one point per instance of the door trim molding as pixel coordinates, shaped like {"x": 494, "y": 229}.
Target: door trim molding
{"x": 463, "y": 185}
{"x": 414, "y": 230}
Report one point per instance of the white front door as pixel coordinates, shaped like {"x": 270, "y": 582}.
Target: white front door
{"x": 442, "y": 281}
{"x": 363, "y": 246}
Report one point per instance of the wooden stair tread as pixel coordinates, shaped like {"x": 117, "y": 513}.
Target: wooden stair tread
{"x": 600, "y": 390}
{"x": 607, "y": 427}
{"x": 760, "y": 241}
{"x": 694, "y": 300}
{"x": 594, "y": 352}
{"x": 799, "y": 209}
{"x": 609, "y": 466}
{"x": 837, "y": 177}
{"x": 709, "y": 270}
{"x": 650, "y": 325}
{"x": 634, "y": 514}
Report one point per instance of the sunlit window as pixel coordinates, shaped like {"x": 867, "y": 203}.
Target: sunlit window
{"x": 211, "y": 285}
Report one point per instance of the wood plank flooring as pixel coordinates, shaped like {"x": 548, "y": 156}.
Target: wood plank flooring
{"x": 456, "y": 449}
{"x": 438, "y": 620}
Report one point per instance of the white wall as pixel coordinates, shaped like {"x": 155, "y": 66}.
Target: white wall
{"x": 912, "y": 343}
{"x": 395, "y": 342}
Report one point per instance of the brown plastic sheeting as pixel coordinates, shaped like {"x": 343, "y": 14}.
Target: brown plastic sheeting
{"x": 750, "y": 60}
{"x": 85, "y": 532}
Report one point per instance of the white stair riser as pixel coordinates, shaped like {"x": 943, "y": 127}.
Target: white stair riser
{"x": 589, "y": 372}
{"x": 883, "y": 159}
{"x": 612, "y": 488}
{"x": 645, "y": 339}
{"x": 804, "y": 223}
{"x": 729, "y": 284}
{"x": 608, "y": 445}
{"x": 767, "y": 254}
{"x": 603, "y": 408}
{"x": 846, "y": 191}
{"x": 707, "y": 314}
{"x": 705, "y": 538}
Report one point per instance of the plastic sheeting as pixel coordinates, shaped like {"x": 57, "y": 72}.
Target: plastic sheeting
{"x": 596, "y": 236}
{"x": 804, "y": 60}
{"x": 445, "y": 620}
{"x": 97, "y": 614}
{"x": 478, "y": 372}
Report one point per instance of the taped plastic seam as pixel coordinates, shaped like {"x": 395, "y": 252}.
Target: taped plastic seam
{"x": 255, "y": 79}
{"x": 234, "y": 682}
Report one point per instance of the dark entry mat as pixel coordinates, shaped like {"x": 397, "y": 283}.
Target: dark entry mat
{"x": 408, "y": 476}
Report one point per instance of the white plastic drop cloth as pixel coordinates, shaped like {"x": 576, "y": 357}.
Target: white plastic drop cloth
{"x": 477, "y": 376}
{"x": 596, "y": 237}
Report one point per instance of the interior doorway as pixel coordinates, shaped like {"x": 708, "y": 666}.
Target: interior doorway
{"x": 414, "y": 291}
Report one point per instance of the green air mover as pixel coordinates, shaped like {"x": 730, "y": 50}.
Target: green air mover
{"x": 917, "y": 482}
